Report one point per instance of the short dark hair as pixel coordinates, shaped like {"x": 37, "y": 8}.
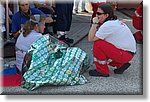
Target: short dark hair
{"x": 108, "y": 10}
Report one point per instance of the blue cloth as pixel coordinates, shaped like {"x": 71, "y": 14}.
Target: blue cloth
{"x": 19, "y": 19}
{"x": 9, "y": 71}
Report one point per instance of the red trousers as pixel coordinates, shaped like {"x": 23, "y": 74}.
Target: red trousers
{"x": 103, "y": 51}
{"x": 138, "y": 22}
{"x": 138, "y": 17}
{"x": 138, "y": 36}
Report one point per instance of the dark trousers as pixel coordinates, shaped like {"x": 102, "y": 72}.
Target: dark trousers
{"x": 64, "y": 16}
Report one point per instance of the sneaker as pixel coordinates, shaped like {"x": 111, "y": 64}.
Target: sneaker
{"x": 122, "y": 69}
{"x": 95, "y": 73}
{"x": 85, "y": 11}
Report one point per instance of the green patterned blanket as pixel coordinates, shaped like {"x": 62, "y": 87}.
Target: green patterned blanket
{"x": 49, "y": 62}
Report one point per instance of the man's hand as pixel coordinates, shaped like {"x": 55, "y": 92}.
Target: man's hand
{"x": 16, "y": 34}
{"x": 49, "y": 20}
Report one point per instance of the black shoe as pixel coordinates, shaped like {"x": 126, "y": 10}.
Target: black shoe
{"x": 66, "y": 39}
{"x": 76, "y": 11}
{"x": 122, "y": 69}
{"x": 69, "y": 40}
{"x": 95, "y": 73}
{"x": 85, "y": 11}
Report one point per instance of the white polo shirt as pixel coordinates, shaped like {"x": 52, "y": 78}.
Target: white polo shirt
{"x": 117, "y": 33}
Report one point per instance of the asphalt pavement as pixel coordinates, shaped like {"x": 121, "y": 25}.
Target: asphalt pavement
{"x": 128, "y": 83}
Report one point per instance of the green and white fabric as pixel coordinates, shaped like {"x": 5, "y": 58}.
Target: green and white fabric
{"x": 54, "y": 64}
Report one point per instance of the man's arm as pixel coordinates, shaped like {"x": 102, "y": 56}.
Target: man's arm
{"x": 15, "y": 25}
{"x": 49, "y": 19}
{"x": 37, "y": 11}
{"x": 16, "y": 34}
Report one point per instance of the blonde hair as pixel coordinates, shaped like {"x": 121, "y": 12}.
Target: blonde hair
{"x": 30, "y": 25}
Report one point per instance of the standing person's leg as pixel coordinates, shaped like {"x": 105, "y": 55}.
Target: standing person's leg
{"x": 94, "y": 8}
{"x": 102, "y": 53}
{"x": 138, "y": 24}
{"x": 69, "y": 15}
{"x": 61, "y": 25}
{"x": 69, "y": 20}
{"x": 83, "y": 8}
{"x": 76, "y": 5}
{"x": 137, "y": 21}
{"x": 138, "y": 37}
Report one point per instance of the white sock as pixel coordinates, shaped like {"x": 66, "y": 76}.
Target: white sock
{"x": 60, "y": 33}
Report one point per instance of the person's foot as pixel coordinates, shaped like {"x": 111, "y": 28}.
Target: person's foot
{"x": 85, "y": 11}
{"x": 76, "y": 11}
{"x": 122, "y": 69}
{"x": 69, "y": 40}
{"x": 66, "y": 39}
{"x": 95, "y": 73}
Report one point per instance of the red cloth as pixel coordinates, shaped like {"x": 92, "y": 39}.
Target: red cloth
{"x": 138, "y": 22}
{"x": 94, "y": 8}
{"x": 103, "y": 51}
{"x": 138, "y": 36}
{"x": 10, "y": 80}
{"x": 138, "y": 17}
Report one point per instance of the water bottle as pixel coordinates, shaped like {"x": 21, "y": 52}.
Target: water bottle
{"x": 12, "y": 66}
{"x": 9, "y": 69}
{"x": 6, "y": 66}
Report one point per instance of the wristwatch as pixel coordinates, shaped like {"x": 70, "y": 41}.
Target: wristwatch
{"x": 20, "y": 31}
{"x": 95, "y": 23}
